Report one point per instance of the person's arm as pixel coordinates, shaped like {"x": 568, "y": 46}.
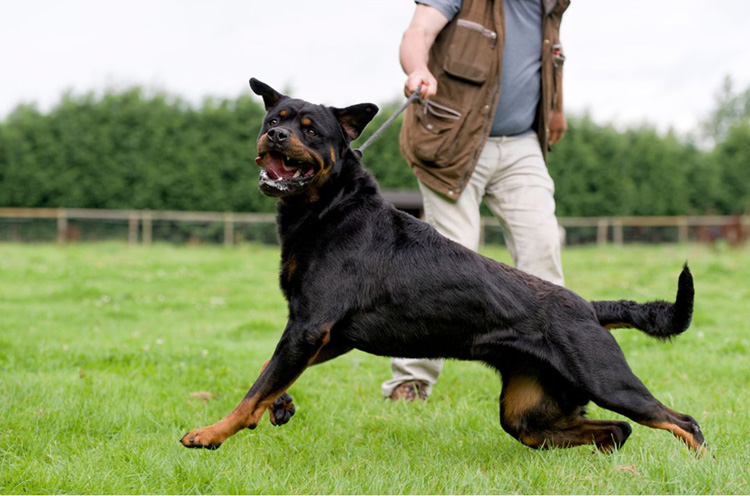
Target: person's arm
{"x": 415, "y": 49}
{"x": 557, "y": 125}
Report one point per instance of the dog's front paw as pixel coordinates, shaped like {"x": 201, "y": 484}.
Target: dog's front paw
{"x": 282, "y": 410}
{"x": 201, "y": 438}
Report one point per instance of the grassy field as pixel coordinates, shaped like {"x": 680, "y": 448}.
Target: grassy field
{"x": 110, "y": 353}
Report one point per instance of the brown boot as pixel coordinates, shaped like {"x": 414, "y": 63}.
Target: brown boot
{"x": 410, "y": 391}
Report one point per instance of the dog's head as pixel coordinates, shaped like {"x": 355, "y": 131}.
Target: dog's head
{"x": 301, "y": 144}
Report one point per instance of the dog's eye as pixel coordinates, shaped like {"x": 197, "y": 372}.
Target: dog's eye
{"x": 311, "y": 132}
{"x": 273, "y": 122}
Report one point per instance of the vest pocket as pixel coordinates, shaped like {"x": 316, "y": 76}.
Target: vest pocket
{"x": 469, "y": 55}
{"x": 435, "y": 133}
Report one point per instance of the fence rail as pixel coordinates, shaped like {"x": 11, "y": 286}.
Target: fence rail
{"x": 140, "y": 222}
{"x": 734, "y": 228}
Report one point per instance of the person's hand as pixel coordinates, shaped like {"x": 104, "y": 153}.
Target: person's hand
{"x": 423, "y": 77}
{"x": 556, "y": 127}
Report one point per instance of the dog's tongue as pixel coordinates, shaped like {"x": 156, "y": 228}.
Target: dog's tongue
{"x": 274, "y": 165}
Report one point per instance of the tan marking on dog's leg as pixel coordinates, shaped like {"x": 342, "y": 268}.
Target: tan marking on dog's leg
{"x": 245, "y": 416}
{"x": 679, "y": 433}
{"x": 272, "y": 417}
{"x": 248, "y": 413}
{"x": 325, "y": 339}
{"x": 521, "y": 395}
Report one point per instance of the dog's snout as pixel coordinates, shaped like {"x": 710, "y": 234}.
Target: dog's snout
{"x": 278, "y": 134}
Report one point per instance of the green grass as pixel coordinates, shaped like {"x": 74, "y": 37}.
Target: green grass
{"x": 101, "y": 346}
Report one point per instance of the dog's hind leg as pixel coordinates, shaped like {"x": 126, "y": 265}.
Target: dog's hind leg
{"x": 541, "y": 411}
{"x": 598, "y": 366}
{"x": 299, "y": 347}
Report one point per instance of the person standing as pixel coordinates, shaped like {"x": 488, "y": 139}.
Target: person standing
{"x": 491, "y": 81}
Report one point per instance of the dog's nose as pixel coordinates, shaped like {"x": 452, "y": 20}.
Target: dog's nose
{"x": 278, "y": 134}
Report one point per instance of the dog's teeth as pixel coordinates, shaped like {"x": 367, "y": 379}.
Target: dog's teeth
{"x": 296, "y": 174}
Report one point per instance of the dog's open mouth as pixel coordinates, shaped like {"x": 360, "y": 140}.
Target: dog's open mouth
{"x": 280, "y": 167}
{"x": 283, "y": 174}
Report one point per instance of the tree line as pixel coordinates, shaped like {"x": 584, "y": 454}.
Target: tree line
{"x": 132, "y": 149}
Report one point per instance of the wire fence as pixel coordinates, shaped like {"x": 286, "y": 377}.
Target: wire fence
{"x": 65, "y": 225}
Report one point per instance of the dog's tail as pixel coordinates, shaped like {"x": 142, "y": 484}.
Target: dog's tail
{"x": 659, "y": 319}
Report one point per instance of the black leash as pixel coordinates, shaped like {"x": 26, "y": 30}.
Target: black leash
{"x": 414, "y": 96}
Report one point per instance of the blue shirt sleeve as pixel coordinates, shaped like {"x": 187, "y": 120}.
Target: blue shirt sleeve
{"x": 449, "y": 8}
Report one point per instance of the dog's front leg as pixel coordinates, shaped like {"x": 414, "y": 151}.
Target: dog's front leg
{"x": 283, "y": 408}
{"x": 298, "y": 348}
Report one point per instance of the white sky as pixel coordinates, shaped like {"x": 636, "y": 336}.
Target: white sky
{"x": 628, "y": 62}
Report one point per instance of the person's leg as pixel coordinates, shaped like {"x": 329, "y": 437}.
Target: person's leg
{"x": 405, "y": 371}
{"x": 458, "y": 221}
{"x": 521, "y": 195}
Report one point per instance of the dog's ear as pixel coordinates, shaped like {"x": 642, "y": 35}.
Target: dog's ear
{"x": 354, "y": 119}
{"x": 270, "y": 96}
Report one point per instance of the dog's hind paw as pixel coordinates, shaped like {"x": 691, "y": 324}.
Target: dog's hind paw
{"x": 282, "y": 410}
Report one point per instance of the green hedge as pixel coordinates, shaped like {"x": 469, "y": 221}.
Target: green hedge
{"x": 132, "y": 149}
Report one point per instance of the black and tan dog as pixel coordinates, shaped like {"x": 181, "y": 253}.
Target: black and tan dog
{"x": 357, "y": 273}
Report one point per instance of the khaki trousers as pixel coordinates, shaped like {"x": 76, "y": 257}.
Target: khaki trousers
{"x": 512, "y": 178}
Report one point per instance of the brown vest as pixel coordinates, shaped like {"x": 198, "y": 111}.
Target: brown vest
{"x": 442, "y": 138}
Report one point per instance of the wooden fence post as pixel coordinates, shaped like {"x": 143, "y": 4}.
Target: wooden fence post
{"x": 602, "y": 225}
{"x": 682, "y": 230}
{"x": 228, "y": 229}
{"x": 148, "y": 229}
{"x": 133, "y": 229}
{"x": 62, "y": 225}
{"x": 617, "y": 232}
